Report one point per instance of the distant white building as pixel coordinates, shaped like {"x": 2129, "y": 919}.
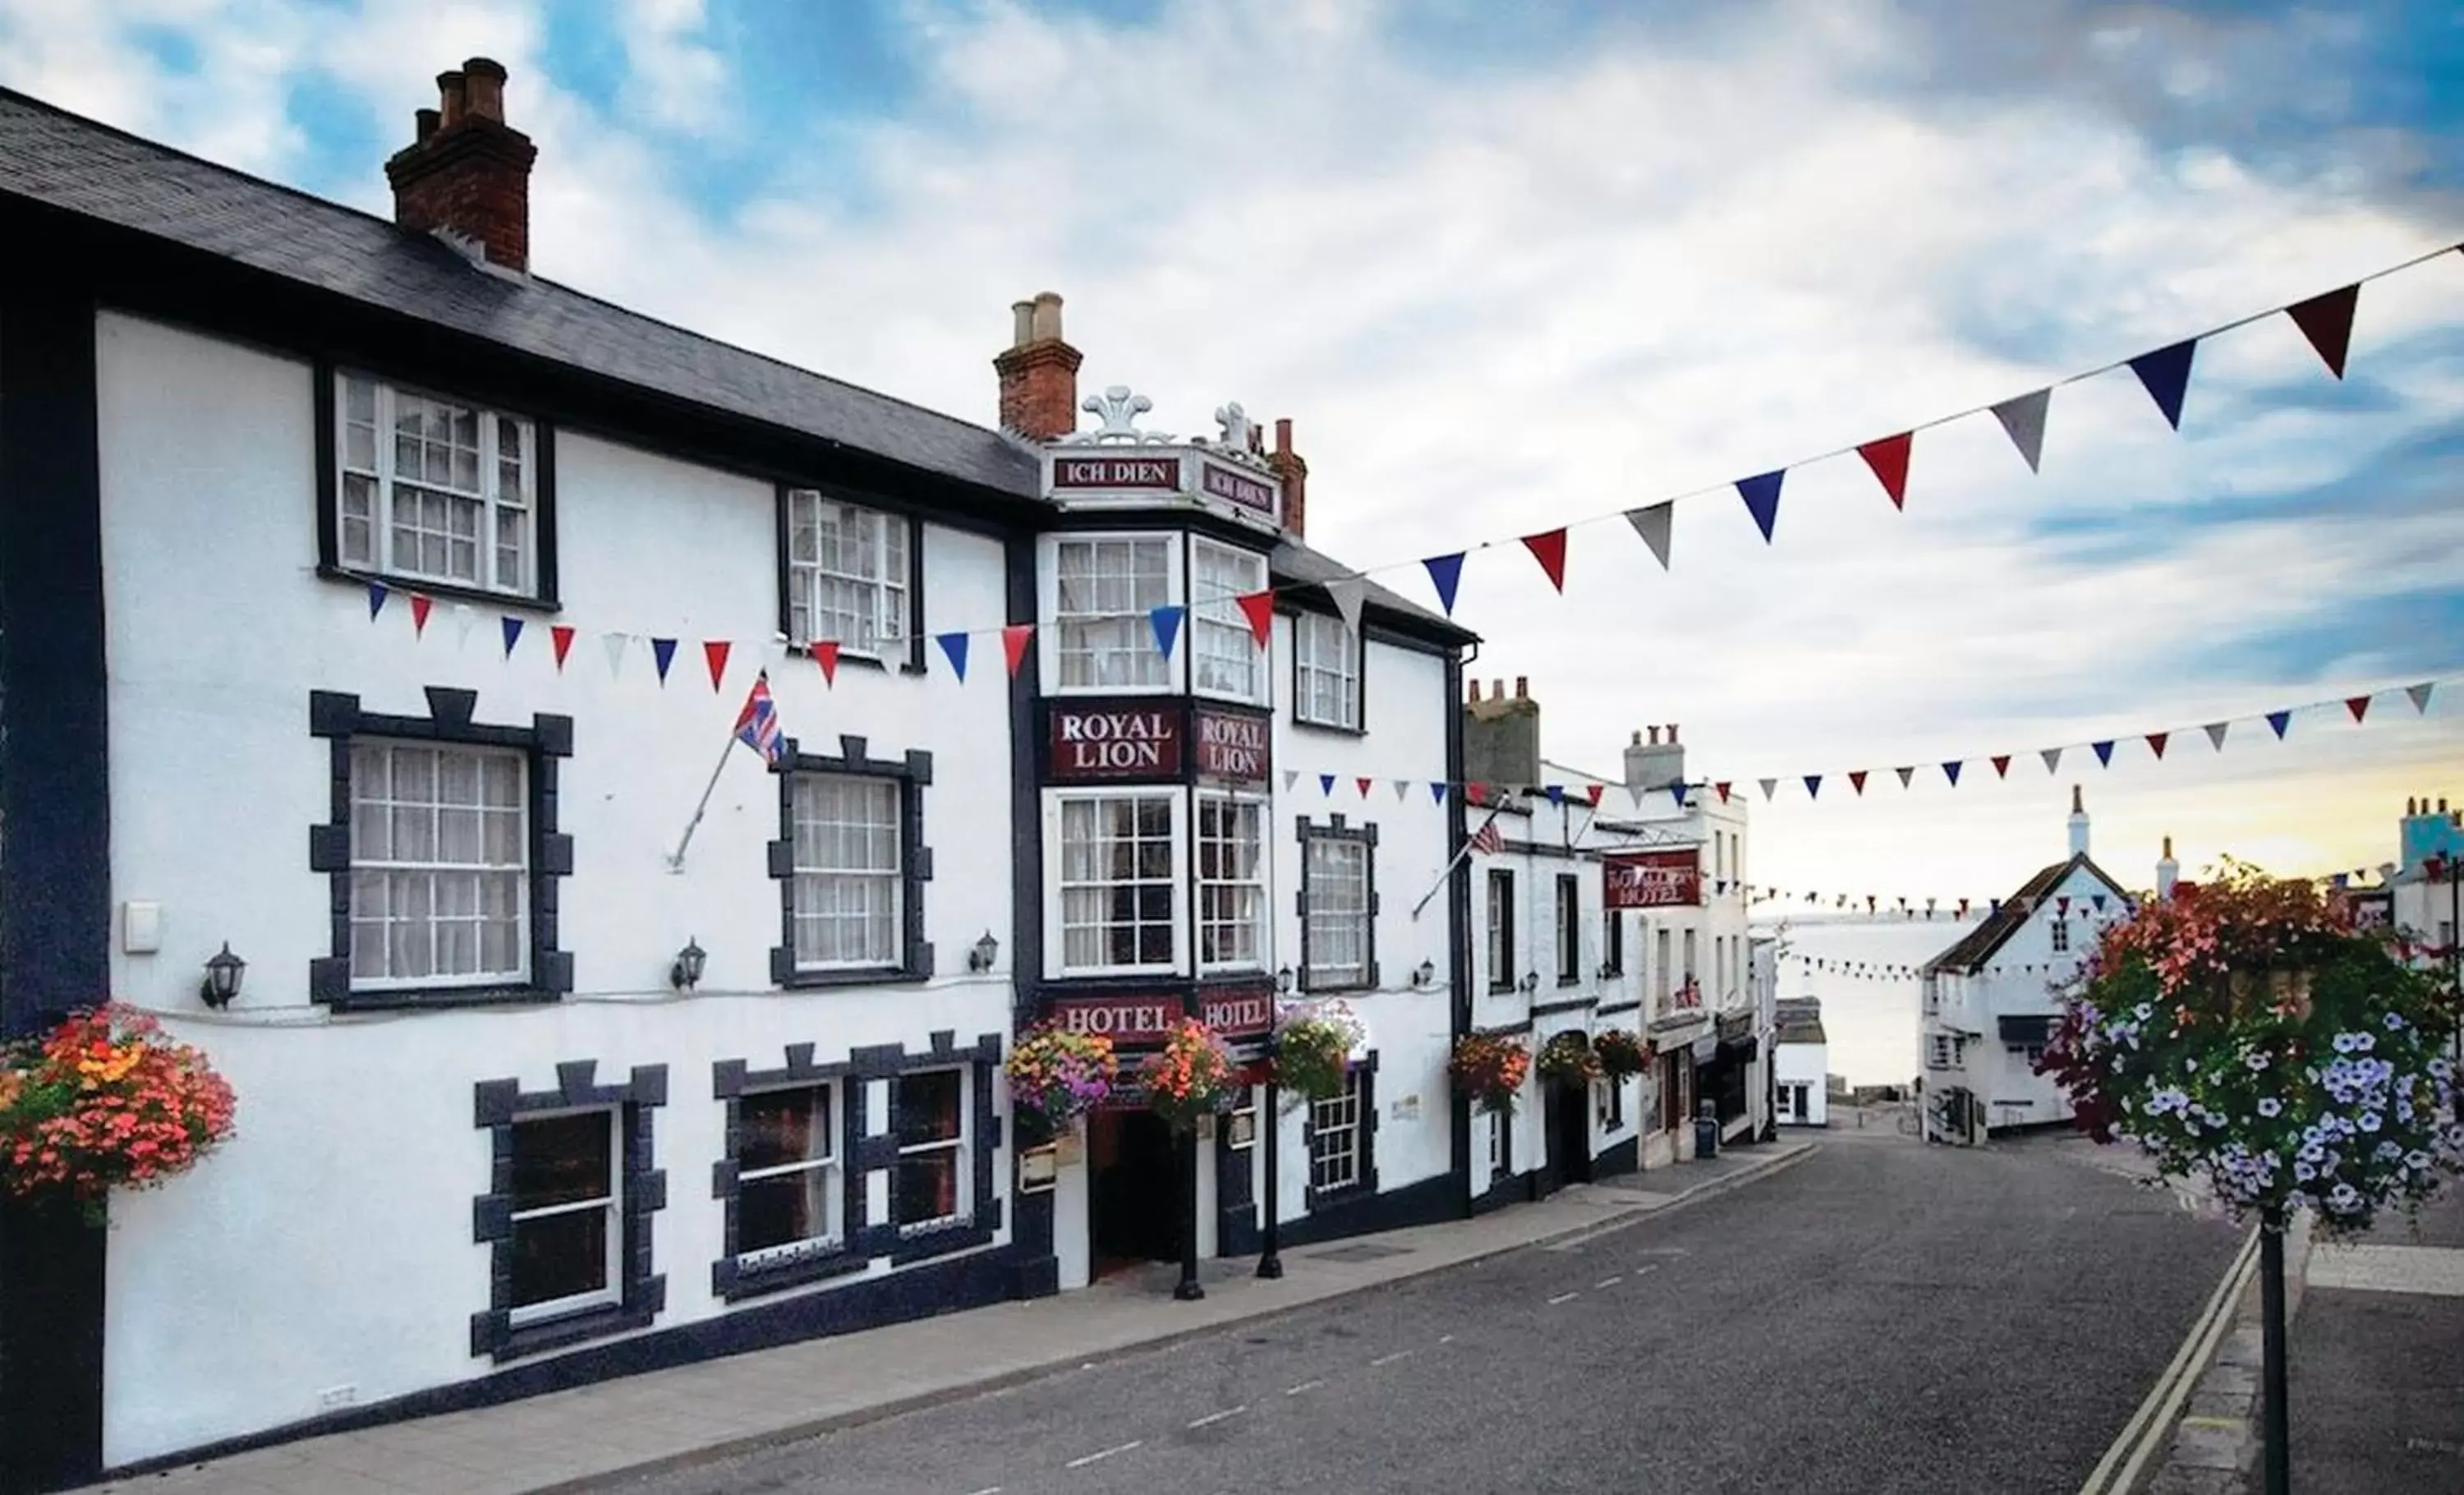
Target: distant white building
{"x": 1991, "y": 999}
{"x": 2425, "y": 901}
{"x": 1800, "y": 1054}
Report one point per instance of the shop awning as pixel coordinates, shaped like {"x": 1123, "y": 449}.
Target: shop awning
{"x": 2025, "y": 1029}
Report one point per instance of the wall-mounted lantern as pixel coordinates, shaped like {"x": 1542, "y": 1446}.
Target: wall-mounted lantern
{"x": 685, "y": 974}
{"x": 222, "y": 979}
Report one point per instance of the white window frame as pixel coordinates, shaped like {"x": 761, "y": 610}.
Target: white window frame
{"x": 1257, "y": 812}
{"x": 830, "y": 1166}
{"x": 1315, "y": 680}
{"x": 612, "y": 1203}
{"x": 1132, "y": 666}
{"x": 379, "y": 472}
{"x": 1316, "y": 975}
{"x": 881, "y": 577}
{"x": 392, "y": 867}
{"x": 1057, "y": 961}
{"x": 961, "y": 1148}
{"x": 1219, "y": 637}
{"x": 817, "y": 879}
{"x": 1348, "y": 1125}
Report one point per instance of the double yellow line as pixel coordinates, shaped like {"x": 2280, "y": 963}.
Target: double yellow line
{"x": 2118, "y": 1472}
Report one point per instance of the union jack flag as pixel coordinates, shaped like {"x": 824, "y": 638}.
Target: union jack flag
{"x": 757, "y": 726}
{"x": 1486, "y": 841}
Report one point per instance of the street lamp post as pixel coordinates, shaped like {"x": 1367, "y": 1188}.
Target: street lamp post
{"x": 1270, "y": 1261}
{"x": 1188, "y": 1289}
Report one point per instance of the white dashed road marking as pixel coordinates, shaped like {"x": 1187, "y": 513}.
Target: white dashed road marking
{"x": 1107, "y": 1452}
{"x": 1445, "y": 1339}
{"x": 1218, "y": 1417}
{"x": 1294, "y": 1391}
{"x": 1562, "y": 1298}
{"x": 1608, "y": 1282}
{"x": 1390, "y": 1359}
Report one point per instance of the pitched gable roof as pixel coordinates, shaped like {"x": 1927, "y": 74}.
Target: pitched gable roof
{"x": 1979, "y": 944}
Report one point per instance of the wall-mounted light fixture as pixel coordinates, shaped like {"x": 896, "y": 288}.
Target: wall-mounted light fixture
{"x": 987, "y": 950}
{"x": 222, "y": 979}
{"x": 1283, "y": 979}
{"x": 1530, "y": 981}
{"x": 1428, "y": 973}
{"x": 685, "y": 974}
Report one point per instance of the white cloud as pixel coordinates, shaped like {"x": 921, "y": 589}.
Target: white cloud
{"x": 1497, "y": 299}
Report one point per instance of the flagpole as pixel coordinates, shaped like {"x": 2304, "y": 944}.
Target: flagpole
{"x": 1456, "y": 861}
{"x": 676, "y": 863}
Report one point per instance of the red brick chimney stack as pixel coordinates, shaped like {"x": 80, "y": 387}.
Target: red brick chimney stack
{"x": 1038, "y": 373}
{"x": 466, "y": 171}
{"x": 1294, "y": 473}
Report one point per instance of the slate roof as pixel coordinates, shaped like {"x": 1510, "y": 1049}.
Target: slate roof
{"x": 77, "y": 166}
{"x": 1978, "y": 945}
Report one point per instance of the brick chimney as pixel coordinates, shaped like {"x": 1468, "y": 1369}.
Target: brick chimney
{"x": 1038, "y": 373}
{"x": 1502, "y": 735}
{"x": 1294, "y": 473}
{"x": 468, "y": 172}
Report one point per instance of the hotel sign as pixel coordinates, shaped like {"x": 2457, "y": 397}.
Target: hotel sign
{"x": 1652, "y": 879}
{"x": 1147, "y": 475}
{"x": 1124, "y": 1020}
{"x": 1235, "y": 487}
{"x": 1233, "y": 746}
{"x": 1237, "y": 1013}
{"x": 1093, "y": 742}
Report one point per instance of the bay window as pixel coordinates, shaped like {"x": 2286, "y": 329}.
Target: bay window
{"x": 1120, "y": 881}
{"x": 1106, "y": 591}
{"x": 1224, "y": 656}
{"x": 1231, "y": 882}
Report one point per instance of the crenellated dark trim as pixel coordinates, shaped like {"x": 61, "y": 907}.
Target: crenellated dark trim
{"x": 338, "y": 719}
{"x": 914, "y": 774}
{"x": 1366, "y": 836}
{"x": 496, "y": 1106}
{"x": 730, "y": 1081}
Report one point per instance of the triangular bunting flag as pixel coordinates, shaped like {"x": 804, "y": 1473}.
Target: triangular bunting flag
{"x": 465, "y": 619}
{"x": 1556, "y": 794}
{"x": 1907, "y": 774}
{"x": 2064, "y": 901}
{"x": 1951, "y": 771}
{"x": 954, "y": 645}
{"x": 1857, "y": 781}
{"x": 1476, "y": 794}
{"x": 1653, "y": 524}
{"x": 1814, "y": 787}
{"x": 1445, "y": 573}
{"x": 1722, "y": 790}
{"x": 2156, "y": 741}
{"x": 2358, "y": 705}
{"x": 512, "y": 629}
{"x": 1761, "y": 494}
{"x": 615, "y": 644}
{"x": 2023, "y": 421}
{"x": 1291, "y": 776}
{"x": 420, "y": 603}
{"x": 2103, "y": 752}
{"x": 714, "y": 653}
{"x": 2327, "y": 322}
{"x": 1014, "y": 639}
{"x": 559, "y": 636}
{"x": 2420, "y": 694}
{"x": 1403, "y": 790}
{"x": 2217, "y": 730}
{"x": 1364, "y": 782}
{"x": 376, "y": 600}
{"x": 1771, "y": 786}
{"x": 826, "y": 654}
{"x": 2002, "y": 765}
{"x": 1166, "y": 622}
{"x": 1436, "y": 791}
{"x": 1258, "y": 607}
{"x": 1348, "y": 594}
{"x": 663, "y": 651}
{"x": 1326, "y": 783}
{"x": 1677, "y": 792}
{"x": 2098, "y": 899}
{"x": 2166, "y": 375}
{"x": 1549, "y": 548}
{"x": 1888, "y": 458}
{"x": 1634, "y": 792}
{"x": 2053, "y": 757}
{"x": 1592, "y": 792}
{"x": 2279, "y": 720}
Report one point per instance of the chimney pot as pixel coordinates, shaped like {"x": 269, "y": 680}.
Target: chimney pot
{"x": 1522, "y": 686}
{"x": 1039, "y": 372}
{"x": 1475, "y": 689}
{"x": 1022, "y": 323}
{"x": 450, "y": 94}
{"x": 1655, "y": 736}
{"x": 1293, "y": 472}
{"x": 1638, "y": 739}
{"x": 2442, "y": 805}
{"x": 1497, "y": 690}
{"x": 424, "y": 124}
{"x": 465, "y": 172}
{"x": 483, "y": 83}
{"x": 2168, "y": 849}
{"x": 2407, "y": 806}
{"x": 1047, "y": 316}
{"x": 1672, "y": 732}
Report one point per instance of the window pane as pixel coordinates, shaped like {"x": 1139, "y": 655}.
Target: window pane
{"x": 926, "y": 1187}
{"x": 781, "y": 1126}
{"x": 924, "y": 1107}
{"x": 559, "y": 1256}
{"x": 562, "y": 1159}
{"x": 784, "y": 1210}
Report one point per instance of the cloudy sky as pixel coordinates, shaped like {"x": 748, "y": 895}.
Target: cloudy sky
{"x": 1511, "y": 267}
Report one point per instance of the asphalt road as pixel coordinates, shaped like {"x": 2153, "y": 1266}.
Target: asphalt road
{"x": 1883, "y": 1316}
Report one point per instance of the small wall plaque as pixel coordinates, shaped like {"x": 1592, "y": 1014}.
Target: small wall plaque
{"x": 1037, "y": 1168}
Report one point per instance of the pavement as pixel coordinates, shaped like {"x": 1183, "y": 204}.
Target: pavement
{"x": 581, "y": 1439}
{"x": 2375, "y": 1360}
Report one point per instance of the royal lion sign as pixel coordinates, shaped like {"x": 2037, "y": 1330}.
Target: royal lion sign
{"x": 1652, "y": 879}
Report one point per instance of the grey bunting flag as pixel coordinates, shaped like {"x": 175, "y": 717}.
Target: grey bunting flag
{"x": 2023, "y": 419}
{"x": 1655, "y": 525}
{"x": 1348, "y": 593}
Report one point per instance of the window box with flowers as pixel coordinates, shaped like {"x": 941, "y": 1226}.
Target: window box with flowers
{"x": 107, "y": 1100}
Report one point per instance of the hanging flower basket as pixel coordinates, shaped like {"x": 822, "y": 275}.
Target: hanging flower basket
{"x": 1567, "y": 1059}
{"x": 1489, "y": 1068}
{"x": 1192, "y": 1076}
{"x": 106, "y": 1101}
{"x": 1057, "y": 1076}
{"x": 1313, "y": 1046}
{"x": 1621, "y": 1055}
{"x": 2244, "y": 1031}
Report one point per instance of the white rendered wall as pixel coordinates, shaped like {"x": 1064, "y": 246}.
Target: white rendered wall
{"x": 329, "y": 1244}
{"x": 1803, "y": 1064}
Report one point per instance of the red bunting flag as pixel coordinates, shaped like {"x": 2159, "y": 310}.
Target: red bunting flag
{"x": 1014, "y": 641}
{"x": 1364, "y": 786}
{"x": 2002, "y": 765}
{"x": 2327, "y": 322}
{"x": 1476, "y": 794}
{"x": 1888, "y": 458}
{"x": 1549, "y": 548}
{"x": 1722, "y": 789}
{"x": 714, "y": 653}
{"x": 1593, "y": 791}
{"x": 2358, "y": 705}
{"x": 1857, "y": 779}
{"x": 420, "y": 603}
{"x": 1260, "y": 610}
{"x": 826, "y": 654}
{"x": 560, "y": 636}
